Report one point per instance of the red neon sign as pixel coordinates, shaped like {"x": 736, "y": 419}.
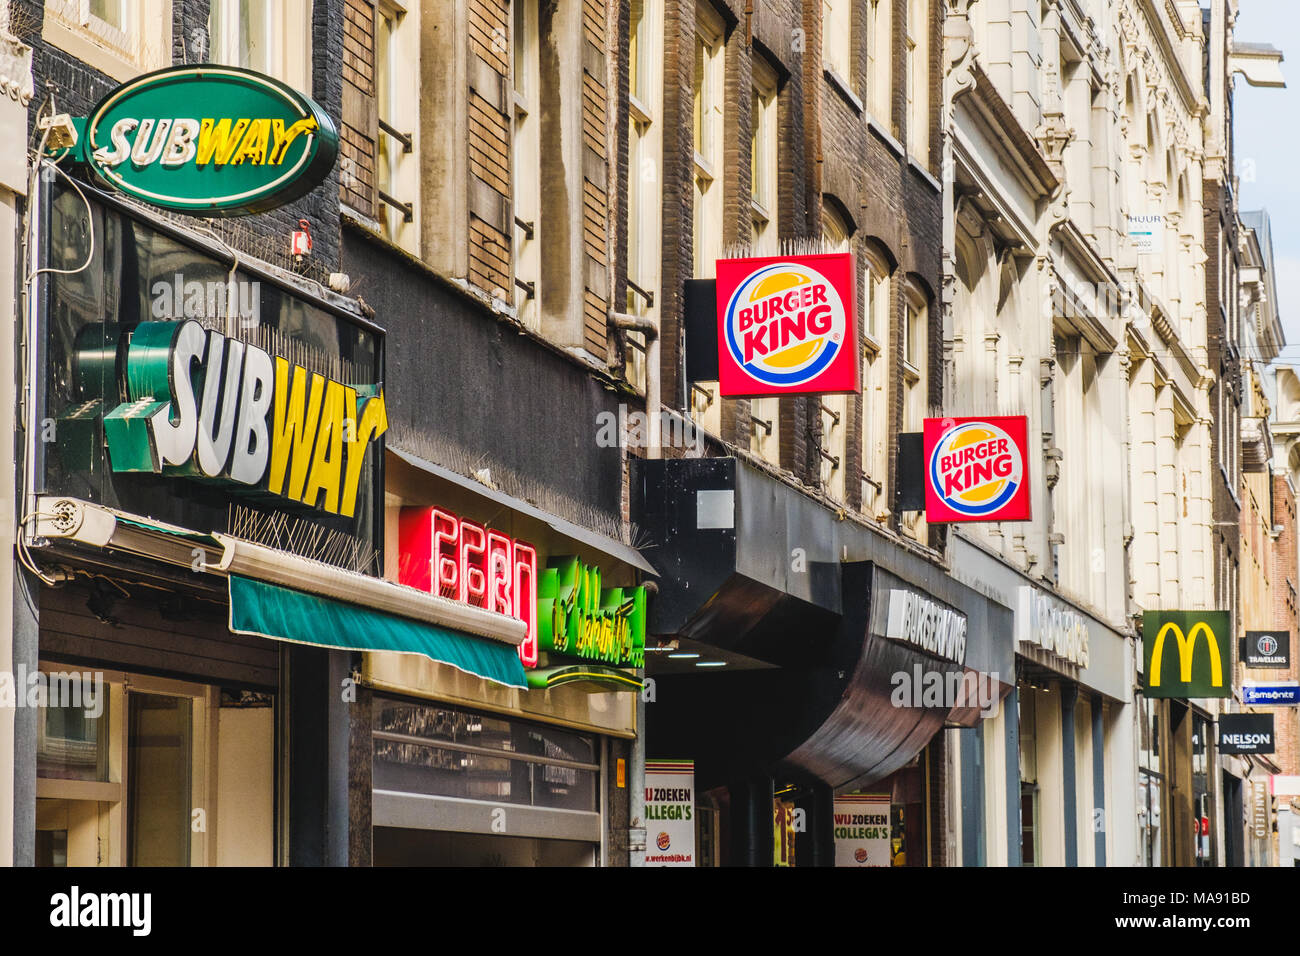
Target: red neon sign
{"x": 464, "y": 561}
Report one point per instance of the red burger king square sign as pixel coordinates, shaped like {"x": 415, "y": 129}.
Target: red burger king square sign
{"x": 977, "y": 469}
{"x": 786, "y": 325}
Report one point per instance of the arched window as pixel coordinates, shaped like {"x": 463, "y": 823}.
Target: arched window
{"x": 876, "y": 300}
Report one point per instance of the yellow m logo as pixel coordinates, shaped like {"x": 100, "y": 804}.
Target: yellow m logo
{"x": 1186, "y": 651}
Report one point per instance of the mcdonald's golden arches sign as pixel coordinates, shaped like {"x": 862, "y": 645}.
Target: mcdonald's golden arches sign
{"x": 1187, "y": 653}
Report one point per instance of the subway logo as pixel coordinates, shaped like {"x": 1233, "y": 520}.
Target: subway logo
{"x": 206, "y": 406}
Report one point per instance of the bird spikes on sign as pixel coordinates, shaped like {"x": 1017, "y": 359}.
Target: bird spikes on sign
{"x": 797, "y": 246}
{"x": 305, "y": 538}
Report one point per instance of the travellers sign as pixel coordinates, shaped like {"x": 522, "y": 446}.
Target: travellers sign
{"x": 977, "y": 469}
{"x": 1186, "y": 653}
{"x": 1246, "y": 734}
{"x": 205, "y": 406}
{"x": 787, "y": 325}
{"x": 1266, "y": 649}
{"x": 209, "y": 140}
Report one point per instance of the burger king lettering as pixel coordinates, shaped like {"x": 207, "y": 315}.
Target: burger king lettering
{"x": 786, "y": 325}
{"x": 976, "y": 469}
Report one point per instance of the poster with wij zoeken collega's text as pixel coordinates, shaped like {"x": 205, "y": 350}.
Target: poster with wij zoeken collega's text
{"x": 670, "y": 812}
{"x": 862, "y": 829}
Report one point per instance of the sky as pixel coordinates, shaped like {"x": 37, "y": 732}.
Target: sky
{"x": 1268, "y": 149}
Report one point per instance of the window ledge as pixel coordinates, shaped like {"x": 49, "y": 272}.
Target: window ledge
{"x": 842, "y": 86}
{"x": 876, "y": 127}
{"x": 870, "y": 343}
{"x": 925, "y": 173}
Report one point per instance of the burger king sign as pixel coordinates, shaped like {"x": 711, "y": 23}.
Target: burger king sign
{"x": 786, "y": 325}
{"x": 976, "y": 469}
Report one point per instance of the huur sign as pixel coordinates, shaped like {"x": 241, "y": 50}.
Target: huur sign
{"x": 209, "y": 140}
{"x": 1201, "y": 668}
{"x": 786, "y": 325}
{"x": 205, "y": 406}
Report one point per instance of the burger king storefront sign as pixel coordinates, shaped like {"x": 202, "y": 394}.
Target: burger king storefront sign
{"x": 786, "y": 325}
{"x": 976, "y": 469}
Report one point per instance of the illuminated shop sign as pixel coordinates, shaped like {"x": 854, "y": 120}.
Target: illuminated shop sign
{"x": 786, "y": 325}
{"x": 1052, "y": 625}
{"x": 465, "y": 561}
{"x": 1202, "y": 665}
{"x": 577, "y": 618}
{"x": 568, "y": 612}
{"x": 205, "y": 406}
{"x": 210, "y": 141}
{"x": 976, "y": 469}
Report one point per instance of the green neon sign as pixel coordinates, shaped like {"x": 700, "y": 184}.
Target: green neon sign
{"x": 576, "y": 618}
{"x": 209, "y": 140}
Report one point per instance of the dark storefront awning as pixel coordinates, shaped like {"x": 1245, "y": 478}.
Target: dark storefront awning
{"x": 750, "y": 566}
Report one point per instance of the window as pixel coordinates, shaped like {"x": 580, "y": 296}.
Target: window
{"x": 879, "y": 62}
{"x": 916, "y": 382}
{"x": 119, "y": 37}
{"x": 268, "y": 36}
{"x": 763, "y": 160}
{"x": 707, "y": 106}
{"x": 834, "y": 408}
{"x": 120, "y": 786}
{"x": 526, "y": 161}
{"x": 837, "y": 42}
{"x": 875, "y": 381}
{"x": 396, "y": 102}
{"x": 645, "y": 147}
{"x": 918, "y": 81}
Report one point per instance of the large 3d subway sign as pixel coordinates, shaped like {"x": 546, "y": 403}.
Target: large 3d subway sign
{"x": 205, "y": 406}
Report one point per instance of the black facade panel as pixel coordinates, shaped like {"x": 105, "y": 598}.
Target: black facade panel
{"x": 468, "y": 391}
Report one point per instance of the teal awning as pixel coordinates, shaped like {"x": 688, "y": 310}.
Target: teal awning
{"x": 268, "y": 610}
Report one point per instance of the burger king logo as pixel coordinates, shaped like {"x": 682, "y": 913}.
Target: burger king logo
{"x": 975, "y": 469}
{"x": 786, "y": 325}
{"x": 663, "y": 841}
{"x": 860, "y": 854}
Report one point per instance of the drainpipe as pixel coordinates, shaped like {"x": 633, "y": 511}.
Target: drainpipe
{"x": 649, "y": 327}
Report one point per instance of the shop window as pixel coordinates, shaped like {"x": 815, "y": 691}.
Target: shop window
{"x": 427, "y": 749}
{"x": 1030, "y": 818}
{"x": 269, "y": 36}
{"x": 526, "y": 172}
{"x": 122, "y": 782}
{"x": 122, "y": 38}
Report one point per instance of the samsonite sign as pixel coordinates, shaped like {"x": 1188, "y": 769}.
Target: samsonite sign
{"x": 210, "y": 141}
{"x": 1186, "y": 654}
{"x": 786, "y": 325}
{"x": 1246, "y": 734}
{"x": 976, "y": 469}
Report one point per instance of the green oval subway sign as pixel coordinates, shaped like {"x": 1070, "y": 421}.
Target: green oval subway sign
{"x": 210, "y": 140}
